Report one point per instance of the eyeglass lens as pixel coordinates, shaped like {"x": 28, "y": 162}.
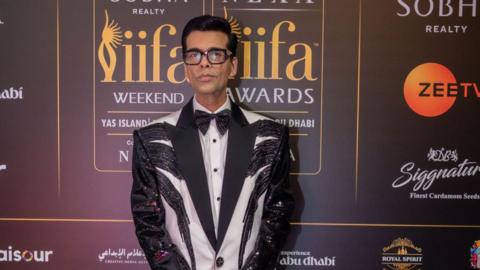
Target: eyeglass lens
{"x": 214, "y": 56}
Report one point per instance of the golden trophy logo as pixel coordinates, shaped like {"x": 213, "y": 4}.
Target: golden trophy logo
{"x": 234, "y": 24}
{"x": 402, "y": 254}
{"x": 111, "y": 38}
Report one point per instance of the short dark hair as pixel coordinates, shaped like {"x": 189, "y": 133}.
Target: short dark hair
{"x": 210, "y": 23}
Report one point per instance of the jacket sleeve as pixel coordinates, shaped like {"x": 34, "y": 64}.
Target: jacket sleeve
{"x": 277, "y": 210}
{"x": 149, "y": 214}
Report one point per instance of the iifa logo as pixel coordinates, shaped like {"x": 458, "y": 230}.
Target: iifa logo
{"x": 12, "y": 255}
{"x": 146, "y": 49}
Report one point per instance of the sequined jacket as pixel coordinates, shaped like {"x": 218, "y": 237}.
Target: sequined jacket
{"x": 170, "y": 200}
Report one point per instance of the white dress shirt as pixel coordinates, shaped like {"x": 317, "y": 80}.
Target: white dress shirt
{"x": 214, "y": 150}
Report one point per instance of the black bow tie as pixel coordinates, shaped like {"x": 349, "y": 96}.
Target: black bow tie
{"x": 202, "y": 119}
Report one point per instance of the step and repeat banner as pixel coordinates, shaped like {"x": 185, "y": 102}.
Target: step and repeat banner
{"x": 382, "y": 99}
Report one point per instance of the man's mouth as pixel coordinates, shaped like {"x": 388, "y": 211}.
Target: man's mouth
{"x": 205, "y": 77}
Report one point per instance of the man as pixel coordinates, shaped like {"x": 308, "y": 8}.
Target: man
{"x": 210, "y": 180}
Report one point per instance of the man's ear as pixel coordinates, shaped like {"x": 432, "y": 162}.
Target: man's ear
{"x": 186, "y": 73}
{"x": 233, "y": 71}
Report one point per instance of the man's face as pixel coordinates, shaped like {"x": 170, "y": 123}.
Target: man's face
{"x": 206, "y": 78}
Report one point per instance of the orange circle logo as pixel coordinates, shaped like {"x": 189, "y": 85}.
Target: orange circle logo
{"x": 428, "y": 89}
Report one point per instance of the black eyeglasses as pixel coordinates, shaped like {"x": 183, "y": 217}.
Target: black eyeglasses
{"x": 214, "y": 56}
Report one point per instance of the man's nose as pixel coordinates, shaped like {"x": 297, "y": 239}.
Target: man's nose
{"x": 204, "y": 61}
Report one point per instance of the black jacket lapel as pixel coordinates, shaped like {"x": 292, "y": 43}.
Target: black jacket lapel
{"x": 188, "y": 151}
{"x": 241, "y": 139}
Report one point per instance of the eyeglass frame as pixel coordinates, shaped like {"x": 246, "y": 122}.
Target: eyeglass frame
{"x": 227, "y": 53}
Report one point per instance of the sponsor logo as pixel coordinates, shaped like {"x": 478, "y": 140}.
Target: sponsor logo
{"x": 14, "y": 255}
{"x": 150, "y": 7}
{"x": 442, "y": 155}
{"x": 122, "y": 256}
{"x": 423, "y": 179}
{"x": 1, "y": 22}
{"x": 402, "y": 254}
{"x": 304, "y": 258}
{"x": 431, "y": 89}
{"x": 3, "y": 167}
{"x": 458, "y": 11}
{"x": 150, "y": 1}
{"x": 12, "y": 93}
{"x": 441, "y": 8}
{"x": 266, "y": 2}
{"x": 475, "y": 255}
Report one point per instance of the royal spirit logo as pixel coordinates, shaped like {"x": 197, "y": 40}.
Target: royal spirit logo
{"x": 129, "y": 47}
{"x": 13, "y": 255}
{"x": 12, "y": 93}
{"x": 402, "y": 254}
{"x": 475, "y": 255}
{"x": 457, "y": 10}
{"x": 431, "y": 89}
{"x": 423, "y": 179}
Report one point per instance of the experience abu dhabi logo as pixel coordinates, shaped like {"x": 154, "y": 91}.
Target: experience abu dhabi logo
{"x": 304, "y": 258}
{"x": 122, "y": 256}
{"x": 12, "y": 93}
{"x": 402, "y": 254}
{"x": 449, "y": 167}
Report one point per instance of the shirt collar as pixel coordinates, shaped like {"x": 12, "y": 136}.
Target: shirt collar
{"x": 198, "y": 106}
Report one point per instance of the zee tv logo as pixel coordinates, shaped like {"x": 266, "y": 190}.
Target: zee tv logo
{"x": 431, "y": 89}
